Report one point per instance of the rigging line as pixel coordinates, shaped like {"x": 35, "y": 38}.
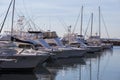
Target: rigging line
{"x": 19, "y": 13}
{"x": 35, "y": 25}
{"x": 29, "y": 21}
{"x": 63, "y": 23}
{"x": 6, "y": 15}
{"x": 87, "y": 26}
{"x": 49, "y": 23}
{"x": 24, "y": 6}
{"x": 76, "y": 22}
{"x": 2, "y": 14}
{"x": 24, "y": 24}
{"x": 29, "y": 26}
{"x": 105, "y": 26}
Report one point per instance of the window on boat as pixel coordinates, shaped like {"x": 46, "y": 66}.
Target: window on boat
{"x": 25, "y": 46}
{"x": 52, "y": 44}
{"x": 75, "y": 44}
{"x": 39, "y": 45}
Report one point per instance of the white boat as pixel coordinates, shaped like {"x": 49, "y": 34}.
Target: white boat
{"x": 10, "y": 59}
{"x": 52, "y": 39}
{"x": 96, "y": 40}
{"x": 107, "y": 45}
{"x": 79, "y": 42}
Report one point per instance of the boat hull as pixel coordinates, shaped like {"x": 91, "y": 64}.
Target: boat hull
{"x": 69, "y": 53}
{"x": 22, "y": 62}
{"x": 107, "y": 46}
{"x": 92, "y": 49}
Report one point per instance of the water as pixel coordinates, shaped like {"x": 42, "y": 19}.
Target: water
{"x": 103, "y": 65}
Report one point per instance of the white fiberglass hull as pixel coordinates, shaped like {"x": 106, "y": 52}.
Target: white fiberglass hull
{"x": 93, "y": 49}
{"x": 66, "y": 53}
{"x": 107, "y": 46}
{"x": 21, "y": 62}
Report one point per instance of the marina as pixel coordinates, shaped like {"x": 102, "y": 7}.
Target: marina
{"x": 30, "y": 52}
{"x": 98, "y": 66}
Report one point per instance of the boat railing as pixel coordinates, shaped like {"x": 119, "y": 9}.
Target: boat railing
{"x": 8, "y": 59}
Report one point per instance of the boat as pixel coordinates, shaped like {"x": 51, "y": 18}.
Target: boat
{"x": 21, "y": 56}
{"x": 76, "y": 42}
{"x": 66, "y": 51}
{"x": 12, "y": 58}
{"x": 96, "y": 40}
{"x": 104, "y": 45}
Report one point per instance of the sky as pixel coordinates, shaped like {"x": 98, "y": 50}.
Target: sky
{"x": 57, "y": 15}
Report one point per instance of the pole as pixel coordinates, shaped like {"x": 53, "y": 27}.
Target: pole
{"x": 99, "y": 23}
{"x": 13, "y": 11}
{"x": 91, "y": 23}
{"x": 81, "y": 20}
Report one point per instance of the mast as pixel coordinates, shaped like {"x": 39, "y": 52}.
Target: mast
{"x": 6, "y": 16}
{"x": 81, "y": 20}
{"x": 99, "y": 22}
{"x": 69, "y": 33}
{"x": 13, "y": 11}
{"x": 91, "y": 24}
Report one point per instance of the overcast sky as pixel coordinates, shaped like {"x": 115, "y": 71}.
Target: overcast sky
{"x": 56, "y": 15}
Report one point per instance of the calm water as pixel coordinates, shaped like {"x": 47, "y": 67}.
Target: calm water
{"x": 103, "y": 65}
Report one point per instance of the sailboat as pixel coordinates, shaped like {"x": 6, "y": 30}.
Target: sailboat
{"x": 96, "y": 40}
{"x": 104, "y": 45}
{"x": 78, "y": 41}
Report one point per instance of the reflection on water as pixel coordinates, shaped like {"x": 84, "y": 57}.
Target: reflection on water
{"x": 18, "y": 76}
{"x": 103, "y": 65}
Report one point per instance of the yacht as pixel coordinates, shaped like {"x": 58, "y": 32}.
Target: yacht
{"x": 14, "y": 58}
{"x": 78, "y": 41}
{"x": 66, "y": 51}
{"x": 10, "y": 56}
{"x": 96, "y": 41}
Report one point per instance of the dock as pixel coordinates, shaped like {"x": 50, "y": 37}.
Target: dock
{"x": 115, "y": 42}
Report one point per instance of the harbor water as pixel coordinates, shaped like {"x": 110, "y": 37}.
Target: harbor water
{"x": 102, "y": 65}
